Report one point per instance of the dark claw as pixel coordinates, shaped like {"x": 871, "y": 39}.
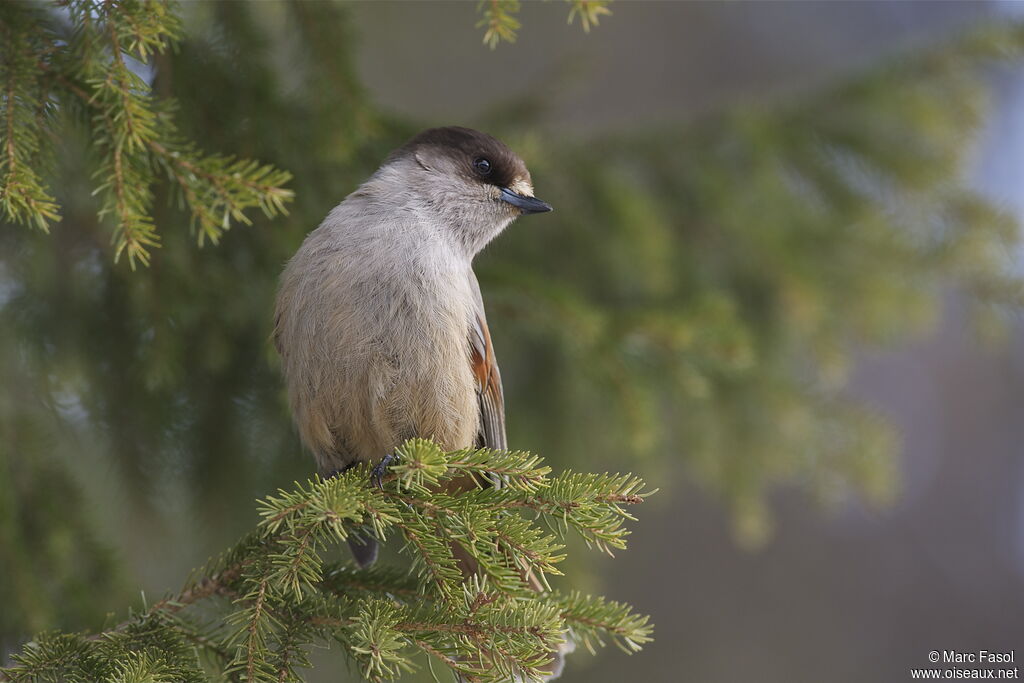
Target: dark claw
{"x": 380, "y": 469}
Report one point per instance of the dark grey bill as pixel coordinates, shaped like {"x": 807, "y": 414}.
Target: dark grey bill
{"x": 526, "y": 204}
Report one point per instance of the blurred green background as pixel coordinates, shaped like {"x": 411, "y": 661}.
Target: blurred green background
{"x": 781, "y": 283}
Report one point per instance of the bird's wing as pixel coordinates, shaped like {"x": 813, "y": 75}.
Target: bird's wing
{"x": 492, "y": 435}
{"x": 488, "y": 379}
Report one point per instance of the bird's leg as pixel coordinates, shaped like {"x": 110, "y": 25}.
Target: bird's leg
{"x": 380, "y": 469}
{"x": 361, "y": 541}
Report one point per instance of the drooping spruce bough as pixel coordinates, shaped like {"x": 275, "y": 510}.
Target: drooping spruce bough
{"x": 254, "y": 613}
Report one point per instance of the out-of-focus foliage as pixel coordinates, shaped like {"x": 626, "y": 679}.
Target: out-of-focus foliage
{"x": 706, "y": 287}
{"x": 52, "y": 561}
{"x": 694, "y": 299}
{"x": 270, "y": 599}
{"x": 498, "y": 18}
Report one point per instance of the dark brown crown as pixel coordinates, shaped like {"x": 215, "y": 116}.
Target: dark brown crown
{"x": 466, "y": 147}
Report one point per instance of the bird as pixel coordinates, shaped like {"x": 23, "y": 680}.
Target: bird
{"x": 379, "y": 319}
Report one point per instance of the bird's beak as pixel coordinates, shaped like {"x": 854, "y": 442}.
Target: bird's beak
{"x": 523, "y": 202}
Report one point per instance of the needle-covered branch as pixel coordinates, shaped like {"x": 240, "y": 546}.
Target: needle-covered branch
{"x": 500, "y": 23}
{"x": 98, "y": 70}
{"x": 93, "y": 63}
{"x": 253, "y": 614}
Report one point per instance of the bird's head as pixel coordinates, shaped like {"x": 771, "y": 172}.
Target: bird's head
{"x": 471, "y": 182}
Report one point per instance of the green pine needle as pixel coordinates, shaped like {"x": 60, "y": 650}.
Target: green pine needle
{"x": 254, "y": 613}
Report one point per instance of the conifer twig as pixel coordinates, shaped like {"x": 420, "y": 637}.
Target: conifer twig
{"x": 283, "y": 599}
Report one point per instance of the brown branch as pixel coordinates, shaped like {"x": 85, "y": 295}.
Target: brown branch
{"x": 509, "y": 471}
{"x": 288, "y": 510}
{"x": 330, "y": 621}
{"x": 169, "y": 158}
{"x": 207, "y": 644}
{"x": 431, "y": 565}
{"x": 217, "y": 584}
{"x": 593, "y": 623}
{"x": 303, "y": 545}
{"x": 212, "y": 177}
{"x": 481, "y": 600}
{"x": 450, "y": 661}
{"x": 282, "y": 672}
{"x": 371, "y": 588}
{"x": 89, "y": 101}
{"x": 120, "y": 68}
{"x": 469, "y": 629}
{"x": 250, "y": 665}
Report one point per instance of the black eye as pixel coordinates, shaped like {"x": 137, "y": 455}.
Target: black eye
{"x": 482, "y": 166}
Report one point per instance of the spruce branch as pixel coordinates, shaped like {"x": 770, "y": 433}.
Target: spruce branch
{"x": 26, "y": 115}
{"x": 589, "y": 12}
{"x": 253, "y": 613}
{"x": 594, "y": 618}
{"x": 498, "y": 21}
{"x": 101, "y": 71}
{"x": 498, "y": 18}
{"x": 105, "y": 63}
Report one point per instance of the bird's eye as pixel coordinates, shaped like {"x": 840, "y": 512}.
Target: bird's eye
{"x": 482, "y": 166}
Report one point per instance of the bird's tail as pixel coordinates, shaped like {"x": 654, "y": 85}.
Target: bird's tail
{"x": 364, "y": 548}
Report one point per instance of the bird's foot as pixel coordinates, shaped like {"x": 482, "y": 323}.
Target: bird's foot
{"x": 381, "y": 469}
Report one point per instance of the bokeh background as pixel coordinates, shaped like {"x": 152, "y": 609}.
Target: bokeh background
{"x": 782, "y": 283}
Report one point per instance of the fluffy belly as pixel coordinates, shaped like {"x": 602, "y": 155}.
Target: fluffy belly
{"x": 373, "y": 357}
{"x": 425, "y": 391}
{"x": 439, "y": 406}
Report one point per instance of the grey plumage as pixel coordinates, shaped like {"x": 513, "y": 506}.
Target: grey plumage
{"x": 379, "y": 314}
{"x": 379, "y": 320}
